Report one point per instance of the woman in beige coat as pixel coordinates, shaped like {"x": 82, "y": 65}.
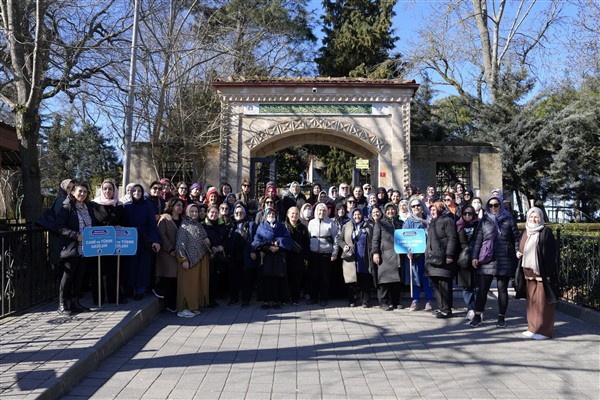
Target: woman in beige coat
{"x": 356, "y": 235}
{"x": 166, "y": 259}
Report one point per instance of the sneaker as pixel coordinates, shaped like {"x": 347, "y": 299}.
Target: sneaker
{"x": 186, "y": 314}
{"x": 414, "y": 306}
{"x": 528, "y": 334}
{"x": 470, "y": 315}
{"x": 443, "y": 315}
{"x": 160, "y": 296}
{"x": 428, "y": 306}
{"x": 537, "y": 336}
{"x": 501, "y": 322}
{"x": 475, "y": 321}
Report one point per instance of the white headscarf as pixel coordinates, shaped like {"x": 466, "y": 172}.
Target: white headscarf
{"x": 530, "y": 259}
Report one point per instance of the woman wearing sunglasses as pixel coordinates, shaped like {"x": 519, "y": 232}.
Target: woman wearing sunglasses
{"x": 499, "y": 228}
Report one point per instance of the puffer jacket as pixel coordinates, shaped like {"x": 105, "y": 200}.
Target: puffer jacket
{"x": 506, "y": 244}
{"x": 442, "y": 241}
{"x": 323, "y": 234}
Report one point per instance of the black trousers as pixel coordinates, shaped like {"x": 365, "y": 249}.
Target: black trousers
{"x": 295, "y": 273}
{"x": 320, "y": 264}
{"x": 389, "y": 294}
{"x": 443, "y": 292}
{"x": 249, "y": 275}
{"x": 275, "y": 289}
{"x": 360, "y": 290}
{"x": 72, "y": 279}
{"x": 485, "y": 281}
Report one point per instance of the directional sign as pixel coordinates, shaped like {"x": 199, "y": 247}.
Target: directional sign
{"x": 98, "y": 241}
{"x": 126, "y": 241}
{"x": 409, "y": 241}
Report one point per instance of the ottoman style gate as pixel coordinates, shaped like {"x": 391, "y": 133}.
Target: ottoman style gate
{"x": 367, "y": 117}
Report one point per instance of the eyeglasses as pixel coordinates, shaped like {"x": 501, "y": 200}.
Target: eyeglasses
{"x": 495, "y": 205}
{"x": 244, "y": 185}
{"x": 415, "y": 206}
{"x": 468, "y": 213}
{"x": 156, "y": 187}
{"x": 268, "y": 202}
{"x": 447, "y": 200}
{"x": 367, "y": 188}
{"x": 351, "y": 201}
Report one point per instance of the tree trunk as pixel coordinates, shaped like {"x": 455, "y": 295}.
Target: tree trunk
{"x": 28, "y": 129}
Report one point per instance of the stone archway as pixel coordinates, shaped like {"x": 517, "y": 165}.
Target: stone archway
{"x": 370, "y": 118}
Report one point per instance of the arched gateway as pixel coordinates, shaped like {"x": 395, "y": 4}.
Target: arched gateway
{"x": 368, "y": 117}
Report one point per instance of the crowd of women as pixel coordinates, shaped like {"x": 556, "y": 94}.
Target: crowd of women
{"x": 197, "y": 247}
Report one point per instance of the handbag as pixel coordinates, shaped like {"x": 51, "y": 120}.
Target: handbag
{"x": 519, "y": 283}
{"x": 348, "y": 255}
{"x": 296, "y": 247}
{"x": 486, "y": 253}
{"x": 464, "y": 258}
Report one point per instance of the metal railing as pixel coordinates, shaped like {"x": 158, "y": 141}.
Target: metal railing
{"x": 580, "y": 269}
{"x": 27, "y": 276}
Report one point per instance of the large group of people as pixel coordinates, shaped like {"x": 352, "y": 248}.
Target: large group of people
{"x": 197, "y": 248}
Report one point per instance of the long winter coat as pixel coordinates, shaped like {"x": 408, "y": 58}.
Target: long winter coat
{"x": 359, "y": 264}
{"x": 442, "y": 243}
{"x": 140, "y": 215}
{"x": 383, "y": 244}
{"x": 166, "y": 264}
{"x": 506, "y": 244}
{"x": 239, "y": 244}
{"x": 547, "y": 257}
{"x": 299, "y": 234}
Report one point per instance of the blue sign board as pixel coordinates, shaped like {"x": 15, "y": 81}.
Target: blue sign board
{"x": 98, "y": 241}
{"x": 409, "y": 241}
{"x": 126, "y": 241}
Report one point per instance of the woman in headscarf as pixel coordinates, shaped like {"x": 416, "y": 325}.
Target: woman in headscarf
{"x": 74, "y": 216}
{"x": 333, "y": 193}
{"x": 355, "y": 235}
{"x": 440, "y": 257}
{"x": 298, "y": 259}
{"x": 387, "y": 261}
{"x": 242, "y": 268}
{"x": 371, "y": 203}
{"x": 306, "y": 214}
{"x": 193, "y": 252}
{"x": 313, "y": 198}
{"x": 403, "y": 210}
{"x": 465, "y": 228}
{"x": 217, "y": 232}
{"x": 538, "y": 258}
{"x": 274, "y": 241}
{"x": 196, "y": 193}
{"x": 418, "y": 218}
{"x": 323, "y": 251}
{"x": 108, "y": 211}
{"x": 140, "y": 214}
{"x": 382, "y": 197}
{"x": 341, "y": 218}
{"x": 271, "y": 193}
{"x": 500, "y": 229}
{"x": 294, "y": 197}
{"x": 166, "y": 259}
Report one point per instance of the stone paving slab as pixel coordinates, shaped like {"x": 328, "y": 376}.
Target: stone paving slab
{"x": 308, "y": 352}
{"x": 44, "y": 354}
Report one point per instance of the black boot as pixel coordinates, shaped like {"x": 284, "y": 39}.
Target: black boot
{"x": 77, "y": 307}
{"x": 64, "y": 306}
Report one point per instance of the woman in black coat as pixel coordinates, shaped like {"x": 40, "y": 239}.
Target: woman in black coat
{"x": 538, "y": 258}
{"x": 298, "y": 258}
{"x": 465, "y": 227}
{"x": 387, "y": 261}
{"x": 440, "y": 258}
{"x": 499, "y": 228}
{"x": 75, "y": 215}
{"x": 108, "y": 211}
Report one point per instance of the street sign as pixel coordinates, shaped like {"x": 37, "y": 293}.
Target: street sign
{"x": 98, "y": 241}
{"x": 409, "y": 241}
{"x": 126, "y": 241}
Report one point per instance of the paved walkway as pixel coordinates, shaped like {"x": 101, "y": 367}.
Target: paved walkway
{"x": 299, "y": 352}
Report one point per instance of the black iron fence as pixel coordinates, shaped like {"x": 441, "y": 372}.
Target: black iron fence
{"x": 580, "y": 269}
{"x": 27, "y": 276}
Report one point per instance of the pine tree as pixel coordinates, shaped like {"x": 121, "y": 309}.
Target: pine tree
{"x": 358, "y": 39}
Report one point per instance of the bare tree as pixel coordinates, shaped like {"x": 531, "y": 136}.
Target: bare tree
{"x": 469, "y": 44}
{"x": 49, "y": 47}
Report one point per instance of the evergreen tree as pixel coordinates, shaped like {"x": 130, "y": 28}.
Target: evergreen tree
{"x": 358, "y": 39}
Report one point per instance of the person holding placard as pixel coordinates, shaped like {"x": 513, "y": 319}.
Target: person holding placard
{"x": 418, "y": 218}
